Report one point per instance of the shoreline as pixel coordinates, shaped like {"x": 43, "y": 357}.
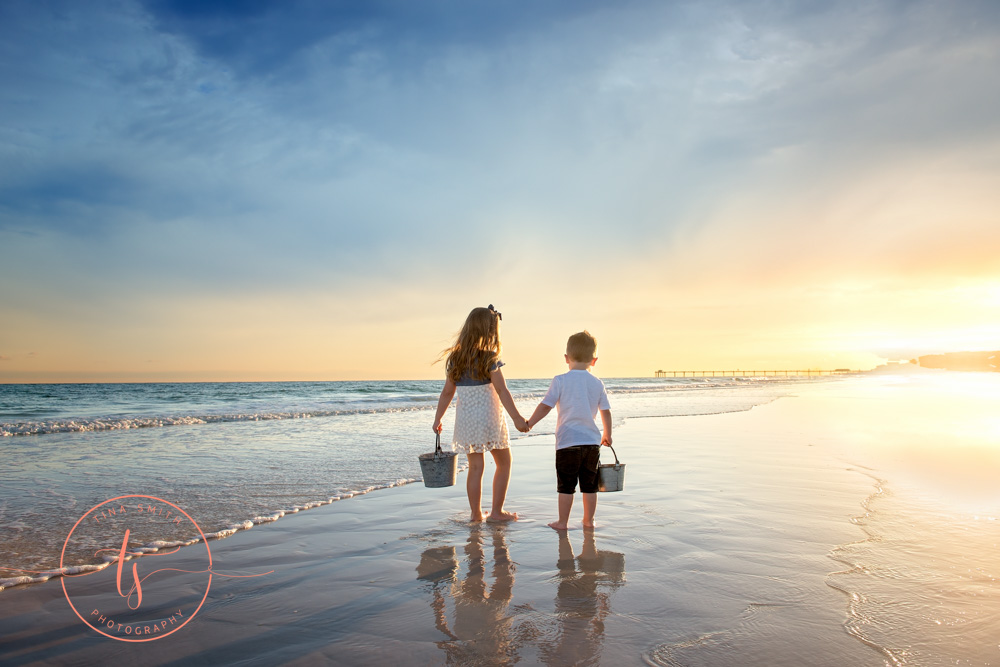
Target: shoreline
{"x": 744, "y": 537}
{"x": 9, "y": 583}
{"x": 399, "y": 560}
{"x": 12, "y": 577}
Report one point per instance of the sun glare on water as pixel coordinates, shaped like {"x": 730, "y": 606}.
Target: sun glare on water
{"x": 938, "y": 433}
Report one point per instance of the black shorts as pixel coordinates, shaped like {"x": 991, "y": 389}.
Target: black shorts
{"x": 575, "y": 464}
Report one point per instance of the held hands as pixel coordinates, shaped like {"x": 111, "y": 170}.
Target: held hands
{"x": 522, "y": 424}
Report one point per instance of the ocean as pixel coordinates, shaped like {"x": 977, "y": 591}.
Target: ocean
{"x": 842, "y": 520}
{"x": 238, "y": 454}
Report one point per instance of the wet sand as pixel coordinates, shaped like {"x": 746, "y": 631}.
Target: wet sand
{"x": 731, "y": 544}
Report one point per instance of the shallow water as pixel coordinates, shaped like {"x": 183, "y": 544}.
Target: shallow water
{"x": 924, "y": 577}
{"x": 801, "y": 533}
{"x": 913, "y": 560}
{"x": 239, "y": 454}
{"x": 827, "y": 527}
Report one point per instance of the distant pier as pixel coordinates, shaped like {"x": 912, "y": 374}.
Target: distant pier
{"x": 752, "y": 373}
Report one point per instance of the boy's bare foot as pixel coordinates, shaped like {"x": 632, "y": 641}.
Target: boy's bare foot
{"x": 502, "y": 516}
{"x": 555, "y": 525}
{"x": 588, "y": 526}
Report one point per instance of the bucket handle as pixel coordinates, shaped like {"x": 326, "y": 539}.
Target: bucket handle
{"x": 615, "y": 455}
{"x": 437, "y": 446}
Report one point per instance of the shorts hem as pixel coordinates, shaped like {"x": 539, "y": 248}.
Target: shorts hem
{"x": 577, "y": 464}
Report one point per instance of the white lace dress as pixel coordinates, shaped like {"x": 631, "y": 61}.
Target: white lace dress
{"x": 479, "y": 422}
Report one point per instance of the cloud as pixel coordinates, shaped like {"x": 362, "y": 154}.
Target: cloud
{"x": 23, "y": 355}
{"x": 160, "y": 152}
{"x": 383, "y": 116}
{"x": 259, "y": 39}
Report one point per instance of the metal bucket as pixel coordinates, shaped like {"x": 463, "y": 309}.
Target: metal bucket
{"x": 611, "y": 477}
{"x": 439, "y": 468}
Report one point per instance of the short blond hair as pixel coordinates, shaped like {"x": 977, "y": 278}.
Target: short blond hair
{"x": 582, "y": 347}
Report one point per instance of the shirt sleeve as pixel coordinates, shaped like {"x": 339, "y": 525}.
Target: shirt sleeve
{"x": 552, "y": 395}
{"x": 603, "y": 403}
{"x": 496, "y": 365}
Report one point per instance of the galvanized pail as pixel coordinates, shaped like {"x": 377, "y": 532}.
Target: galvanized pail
{"x": 611, "y": 477}
{"x": 439, "y": 468}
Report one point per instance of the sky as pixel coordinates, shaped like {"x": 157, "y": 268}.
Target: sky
{"x": 322, "y": 190}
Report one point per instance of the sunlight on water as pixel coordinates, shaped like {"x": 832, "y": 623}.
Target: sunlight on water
{"x": 936, "y": 434}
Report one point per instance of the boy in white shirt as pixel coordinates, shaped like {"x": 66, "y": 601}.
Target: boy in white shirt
{"x": 579, "y": 396}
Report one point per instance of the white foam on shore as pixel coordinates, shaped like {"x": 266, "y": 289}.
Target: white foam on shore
{"x": 46, "y": 427}
{"x": 158, "y": 545}
{"x": 39, "y": 577}
{"x": 409, "y": 403}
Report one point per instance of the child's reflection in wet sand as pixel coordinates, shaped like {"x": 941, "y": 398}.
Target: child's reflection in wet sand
{"x": 482, "y": 631}
{"x": 580, "y": 607}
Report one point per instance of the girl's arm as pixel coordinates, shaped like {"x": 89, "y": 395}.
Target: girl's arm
{"x": 496, "y": 377}
{"x": 444, "y": 401}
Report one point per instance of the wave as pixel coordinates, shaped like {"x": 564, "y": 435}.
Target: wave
{"x": 156, "y": 545}
{"x": 50, "y": 426}
{"x": 392, "y": 397}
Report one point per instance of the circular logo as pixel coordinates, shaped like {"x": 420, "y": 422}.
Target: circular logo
{"x": 152, "y": 587}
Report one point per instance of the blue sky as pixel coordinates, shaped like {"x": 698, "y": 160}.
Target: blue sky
{"x": 194, "y": 189}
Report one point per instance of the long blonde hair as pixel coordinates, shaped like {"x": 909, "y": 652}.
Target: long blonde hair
{"x": 477, "y": 347}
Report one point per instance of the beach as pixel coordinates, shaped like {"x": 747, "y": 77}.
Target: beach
{"x": 845, "y": 523}
{"x": 249, "y": 249}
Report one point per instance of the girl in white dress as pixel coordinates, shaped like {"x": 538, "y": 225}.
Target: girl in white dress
{"x": 472, "y": 366}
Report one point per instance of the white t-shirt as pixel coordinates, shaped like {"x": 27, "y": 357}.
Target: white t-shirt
{"x": 578, "y": 396}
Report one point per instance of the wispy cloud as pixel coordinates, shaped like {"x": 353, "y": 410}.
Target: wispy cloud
{"x": 170, "y": 149}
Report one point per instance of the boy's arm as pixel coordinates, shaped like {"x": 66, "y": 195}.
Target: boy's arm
{"x": 444, "y": 401}
{"x": 606, "y": 420}
{"x": 539, "y": 414}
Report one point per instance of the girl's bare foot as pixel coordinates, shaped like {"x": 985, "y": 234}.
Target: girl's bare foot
{"x": 502, "y": 516}
{"x": 476, "y": 518}
{"x": 555, "y": 525}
